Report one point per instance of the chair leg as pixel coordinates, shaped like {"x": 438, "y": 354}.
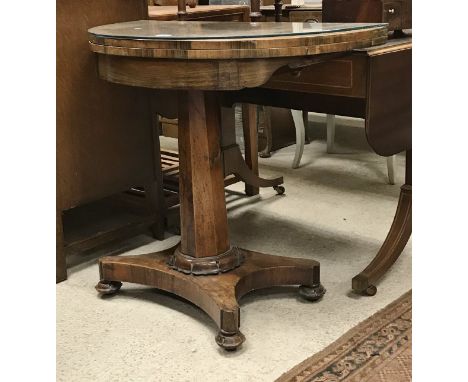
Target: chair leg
{"x": 155, "y": 199}
{"x": 249, "y": 126}
{"x": 330, "y": 132}
{"x": 305, "y": 118}
{"x": 300, "y": 137}
{"x": 154, "y": 191}
{"x": 266, "y": 152}
{"x": 391, "y": 169}
{"x": 60, "y": 259}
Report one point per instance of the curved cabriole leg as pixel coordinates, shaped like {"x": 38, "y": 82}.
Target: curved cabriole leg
{"x": 234, "y": 164}
{"x": 396, "y": 239}
{"x": 391, "y": 249}
{"x": 217, "y": 295}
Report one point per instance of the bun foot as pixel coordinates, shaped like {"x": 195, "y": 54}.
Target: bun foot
{"x": 371, "y": 290}
{"x": 230, "y": 341}
{"x": 280, "y": 190}
{"x": 313, "y": 293}
{"x": 108, "y": 287}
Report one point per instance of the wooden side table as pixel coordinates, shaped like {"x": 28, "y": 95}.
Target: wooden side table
{"x": 202, "y": 60}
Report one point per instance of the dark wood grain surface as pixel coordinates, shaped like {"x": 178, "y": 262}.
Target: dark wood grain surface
{"x": 104, "y": 131}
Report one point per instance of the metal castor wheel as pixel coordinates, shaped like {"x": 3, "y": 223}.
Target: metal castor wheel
{"x": 313, "y": 293}
{"x": 279, "y": 189}
{"x": 371, "y": 290}
{"x": 229, "y": 341}
{"x": 108, "y": 287}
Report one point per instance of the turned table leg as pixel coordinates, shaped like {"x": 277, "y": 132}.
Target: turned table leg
{"x": 395, "y": 242}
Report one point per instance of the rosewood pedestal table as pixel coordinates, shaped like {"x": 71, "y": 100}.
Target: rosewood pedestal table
{"x": 201, "y": 60}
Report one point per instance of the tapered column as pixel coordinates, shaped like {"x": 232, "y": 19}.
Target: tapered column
{"x": 204, "y": 247}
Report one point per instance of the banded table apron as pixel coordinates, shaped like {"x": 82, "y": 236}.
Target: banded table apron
{"x": 201, "y": 60}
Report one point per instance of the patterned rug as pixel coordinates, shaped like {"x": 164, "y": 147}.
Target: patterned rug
{"x": 376, "y": 350}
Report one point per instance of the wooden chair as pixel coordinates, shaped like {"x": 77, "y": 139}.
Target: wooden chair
{"x": 300, "y": 117}
{"x": 104, "y": 131}
{"x": 301, "y": 121}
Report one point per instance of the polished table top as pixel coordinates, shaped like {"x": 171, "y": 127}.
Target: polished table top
{"x": 212, "y": 30}
{"x": 212, "y": 55}
{"x": 211, "y": 40}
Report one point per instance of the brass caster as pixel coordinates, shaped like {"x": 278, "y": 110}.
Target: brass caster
{"x": 228, "y": 341}
{"x": 371, "y": 290}
{"x": 108, "y": 287}
{"x": 280, "y": 190}
{"x": 313, "y": 293}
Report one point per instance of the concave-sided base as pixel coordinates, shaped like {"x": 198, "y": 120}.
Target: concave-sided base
{"x": 218, "y": 294}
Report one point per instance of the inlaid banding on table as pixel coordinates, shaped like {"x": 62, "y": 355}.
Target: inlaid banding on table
{"x": 236, "y": 48}
{"x": 221, "y": 54}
